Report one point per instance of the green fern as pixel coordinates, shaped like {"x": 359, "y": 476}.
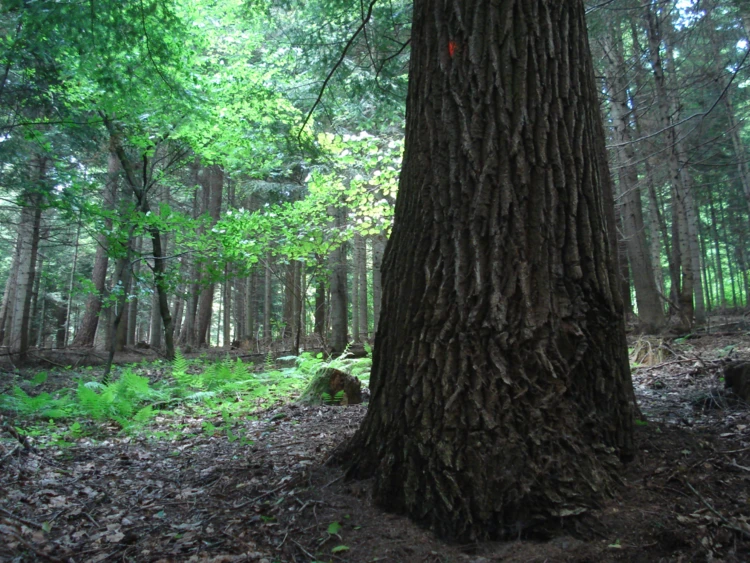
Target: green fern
{"x": 333, "y": 400}
{"x": 179, "y": 368}
{"x": 42, "y": 405}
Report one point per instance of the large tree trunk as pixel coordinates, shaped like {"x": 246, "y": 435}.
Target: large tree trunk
{"x": 87, "y": 329}
{"x": 500, "y": 383}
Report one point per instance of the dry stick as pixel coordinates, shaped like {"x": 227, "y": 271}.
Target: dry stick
{"x": 727, "y": 523}
{"x": 22, "y": 520}
{"x": 738, "y": 466}
{"x": 38, "y": 552}
{"x": 735, "y": 451}
{"x": 310, "y": 555}
{"x": 10, "y": 453}
{"x": 256, "y": 499}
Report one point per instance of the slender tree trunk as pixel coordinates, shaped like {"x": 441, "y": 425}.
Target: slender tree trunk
{"x": 250, "y": 299}
{"x": 289, "y": 299}
{"x": 133, "y": 303}
{"x": 680, "y": 203}
{"x": 717, "y": 252}
{"x": 339, "y": 306}
{"x": 156, "y": 327}
{"x": 59, "y": 325}
{"x": 160, "y": 271}
{"x": 40, "y": 328}
{"x": 213, "y": 182}
{"x": 361, "y": 273}
{"x": 500, "y": 382}
{"x": 378, "y": 248}
{"x": 320, "y": 299}
{"x": 34, "y": 325}
{"x": 267, "y": 303}
{"x": 355, "y": 292}
{"x": 122, "y": 278}
{"x": 28, "y": 236}
{"x": 87, "y": 329}
{"x": 188, "y": 334}
{"x": 650, "y": 311}
{"x": 71, "y": 285}
{"x": 6, "y": 314}
{"x": 227, "y": 308}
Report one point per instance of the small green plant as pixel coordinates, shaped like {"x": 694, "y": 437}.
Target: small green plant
{"x": 335, "y": 400}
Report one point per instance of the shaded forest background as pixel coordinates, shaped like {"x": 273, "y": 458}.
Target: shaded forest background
{"x": 214, "y": 174}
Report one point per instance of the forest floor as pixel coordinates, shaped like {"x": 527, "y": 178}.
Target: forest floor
{"x": 272, "y": 498}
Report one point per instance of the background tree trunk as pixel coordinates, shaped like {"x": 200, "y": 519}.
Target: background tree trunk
{"x": 378, "y": 248}
{"x": 213, "y": 185}
{"x": 650, "y": 310}
{"x": 361, "y": 273}
{"x": 87, "y": 329}
{"x": 267, "y": 301}
{"x": 28, "y": 240}
{"x": 339, "y": 313}
{"x": 500, "y": 381}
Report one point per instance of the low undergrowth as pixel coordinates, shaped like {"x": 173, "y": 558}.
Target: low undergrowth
{"x": 154, "y": 400}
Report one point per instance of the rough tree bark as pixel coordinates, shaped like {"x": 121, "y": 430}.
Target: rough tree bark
{"x": 501, "y": 391}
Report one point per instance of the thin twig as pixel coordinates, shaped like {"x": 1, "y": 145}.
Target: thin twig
{"x": 10, "y": 453}
{"x": 22, "y": 520}
{"x": 256, "y": 499}
{"x": 38, "y": 552}
{"x": 310, "y": 555}
{"x": 727, "y": 523}
{"x": 335, "y": 67}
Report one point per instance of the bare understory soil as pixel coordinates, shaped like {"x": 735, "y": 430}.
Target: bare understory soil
{"x": 204, "y": 498}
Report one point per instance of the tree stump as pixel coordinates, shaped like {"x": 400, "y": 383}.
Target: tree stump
{"x": 737, "y": 378}
{"x": 328, "y": 384}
